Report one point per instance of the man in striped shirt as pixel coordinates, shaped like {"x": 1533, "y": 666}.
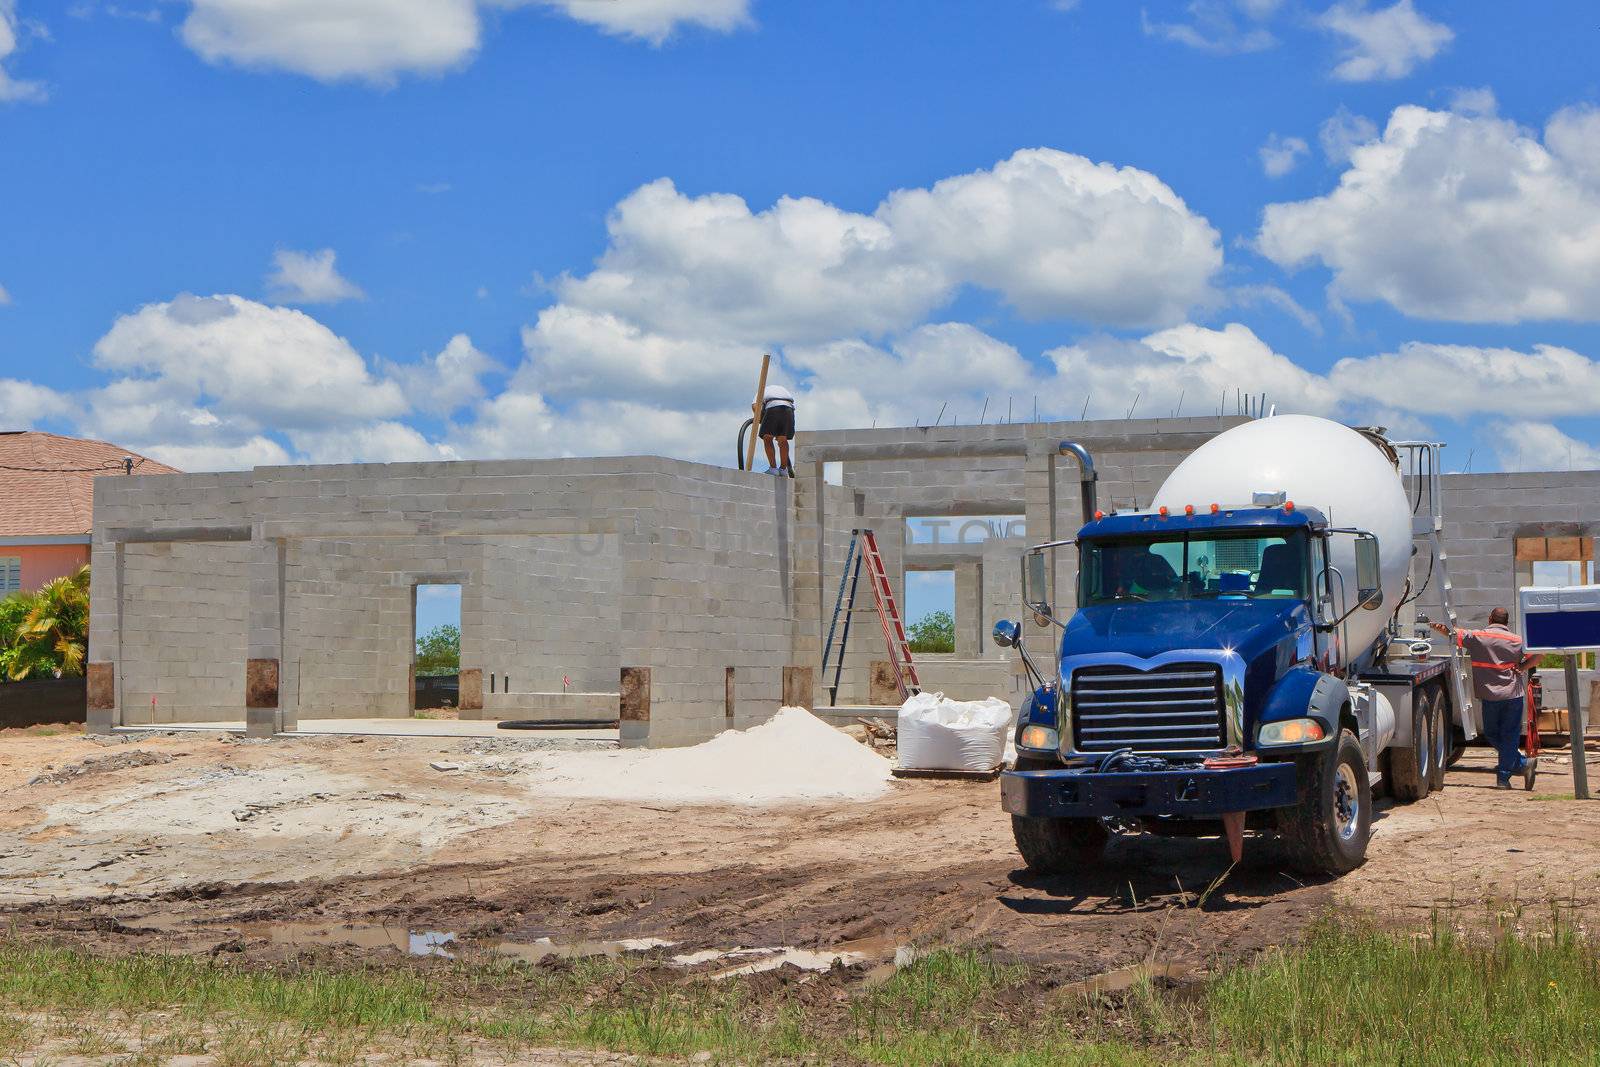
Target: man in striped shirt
{"x": 1500, "y": 682}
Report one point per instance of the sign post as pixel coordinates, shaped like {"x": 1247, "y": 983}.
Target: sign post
{"x": 1577, "y": 728}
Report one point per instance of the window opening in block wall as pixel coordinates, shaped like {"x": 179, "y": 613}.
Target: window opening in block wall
{"x": 963, "y": 529}
{"x": 931, "y": 610}
{"x": 437, "y": 654}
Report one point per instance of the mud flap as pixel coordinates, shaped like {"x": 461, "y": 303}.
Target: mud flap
{"x": 1233, "y": 828}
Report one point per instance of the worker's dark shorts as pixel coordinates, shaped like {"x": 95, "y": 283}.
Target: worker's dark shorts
{"x": 777, "y": 421}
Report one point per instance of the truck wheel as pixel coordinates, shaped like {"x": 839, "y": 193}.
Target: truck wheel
{"x": 1059, "y": 846}
{"x": 1328, "y": 828}
{"x": 1444, "y": 737}
{"x": 1411, "y": 767}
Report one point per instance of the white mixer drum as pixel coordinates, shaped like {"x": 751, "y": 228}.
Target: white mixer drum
{"x": 1320, "y": 464}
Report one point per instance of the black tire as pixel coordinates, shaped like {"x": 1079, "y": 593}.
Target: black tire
{"x": 1059, "y": 846}
{"x": 1444, "y": 737}
{"x": 1411, "y": 767}
{"x": 1327, "y": 830}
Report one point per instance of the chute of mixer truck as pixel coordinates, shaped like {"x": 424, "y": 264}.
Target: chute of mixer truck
{"x": 1235, "y": 660}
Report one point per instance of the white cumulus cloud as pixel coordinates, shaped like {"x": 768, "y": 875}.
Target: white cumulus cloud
{"x": 333, "y": 40}
{"x": 1458, "y": 217}
{"x": 12, "y": 88}
{"x": 273, "y": 364}
{"x": 376, "y": 41}
{"x": 655, "y": 20}
{"x": 1280, "y": 155}
{"x": 1058, "y": 235}
{"x": 1201, "y": 369}
{"x": 447, "y": 381}
{"x": 1538, "y": 446}
{"x": 1052, "y": 233}
{"x": 5, "y": 297}
{"x": 1343, "y": 133}
{"x": 1463, "y": 380}
{"x": 25, "y": 404}
{"x": 309, "y": 278}
{"x": 1221, "y": 26}
{"x": 1383, "y": 43}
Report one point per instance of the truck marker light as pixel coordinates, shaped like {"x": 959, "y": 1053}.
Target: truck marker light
{"x": 1215, "y": 509}
{"x": 1099, "y": 515}
{"x": 1163, "y": 511}
{"x": 1288, "y": 505}
{"x": 1291, "y": 732}
{"x": 1188, "y": 509}
{"x": 1039, "y": 737}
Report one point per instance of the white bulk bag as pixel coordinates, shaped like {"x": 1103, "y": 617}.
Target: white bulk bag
{"x": 937, "y": 734}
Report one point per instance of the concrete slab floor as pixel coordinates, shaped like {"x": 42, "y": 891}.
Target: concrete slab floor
{"x": 382, "y": 727}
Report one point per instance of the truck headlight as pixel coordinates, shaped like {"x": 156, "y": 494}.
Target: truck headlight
{"x": 1041, "y": 737}
{"x": 1290, "y": 732}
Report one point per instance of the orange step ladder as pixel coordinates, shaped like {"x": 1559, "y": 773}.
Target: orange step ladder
{"x": 864, "y": 551}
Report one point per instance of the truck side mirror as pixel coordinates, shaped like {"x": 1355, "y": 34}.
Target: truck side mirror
{"x": 1007, "y": 634}
{"x": 1369, "y": 582}
{"x": 1036, "y": 583}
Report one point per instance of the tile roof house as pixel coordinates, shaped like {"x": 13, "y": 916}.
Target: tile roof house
{"x": 47, "y": 502}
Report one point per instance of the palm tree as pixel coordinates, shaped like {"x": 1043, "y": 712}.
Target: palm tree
{"x": 51, "y": 637}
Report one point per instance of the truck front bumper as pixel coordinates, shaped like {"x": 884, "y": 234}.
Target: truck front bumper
{"x": 1197, "y": 792}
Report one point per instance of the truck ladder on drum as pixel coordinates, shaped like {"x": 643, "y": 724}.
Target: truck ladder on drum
{"x": 864, "y": 550}
{"x": 1427, "y": 525}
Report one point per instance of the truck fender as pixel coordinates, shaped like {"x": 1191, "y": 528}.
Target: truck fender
{"x": 1038, "y": 709}
{"x": 1304, "y": 692}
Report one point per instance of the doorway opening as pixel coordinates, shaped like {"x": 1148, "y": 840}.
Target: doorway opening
{"x": 436, "y": 652}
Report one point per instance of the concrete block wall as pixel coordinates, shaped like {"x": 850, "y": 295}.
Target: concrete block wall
{"x": 709, "y": 585}
{"x": 693, "y": 574}
{"x": 170, "y": 619}
{"x": 184, "y": 631}
{"x": 548, "y": 608}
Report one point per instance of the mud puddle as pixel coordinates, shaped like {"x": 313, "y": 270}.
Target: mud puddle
{"x": 713, "y": 963}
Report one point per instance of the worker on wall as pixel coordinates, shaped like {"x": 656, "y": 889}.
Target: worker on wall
{"x": 1499, "y": 681}
{"x": 777, "y": 423}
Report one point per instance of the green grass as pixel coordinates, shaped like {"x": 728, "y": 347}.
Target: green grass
{"x": 1348, "y": 994}
{"x": 1356, "y": 995}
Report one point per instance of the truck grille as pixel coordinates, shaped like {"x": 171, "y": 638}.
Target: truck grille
{"x": 1176, "y": 708}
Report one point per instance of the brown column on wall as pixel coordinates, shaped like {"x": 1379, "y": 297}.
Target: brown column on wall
{"x": 882, "y": 689}
{"x": 102, "y": 686}
{"x": 469, "y": 682}
{"x": 727, "y": 696}
{"x": 798, "y": 687}
{"x": 102, "y": 697}
{"x": 263, "y": 715}
{"x": 633, "y": 707}
{"x": 260, "y": 684}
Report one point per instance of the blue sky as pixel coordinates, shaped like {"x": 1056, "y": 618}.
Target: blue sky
{"x": 394, "y": 229}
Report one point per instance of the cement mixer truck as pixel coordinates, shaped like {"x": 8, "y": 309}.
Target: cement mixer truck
{"x": 1237, "y": 661}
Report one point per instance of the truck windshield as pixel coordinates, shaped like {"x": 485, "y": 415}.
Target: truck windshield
{"x": 1193, "y": 567}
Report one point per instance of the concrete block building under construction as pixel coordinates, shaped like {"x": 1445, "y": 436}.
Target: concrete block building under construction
{"x": 685, "y": 598}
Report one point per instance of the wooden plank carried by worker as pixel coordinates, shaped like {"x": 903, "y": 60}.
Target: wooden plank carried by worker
{"x": 755, "y": 412}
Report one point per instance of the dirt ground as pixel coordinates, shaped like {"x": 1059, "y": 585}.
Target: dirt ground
{"x": 355, "y": 846}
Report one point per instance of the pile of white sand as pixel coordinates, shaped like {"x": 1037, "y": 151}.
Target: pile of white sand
{"x": 793, "y": 757}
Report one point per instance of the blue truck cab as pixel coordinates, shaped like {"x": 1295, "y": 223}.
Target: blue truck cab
{"x": 1200, "y": 688}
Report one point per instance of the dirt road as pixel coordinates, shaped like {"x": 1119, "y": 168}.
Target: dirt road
{"x": 331, "y": 845}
